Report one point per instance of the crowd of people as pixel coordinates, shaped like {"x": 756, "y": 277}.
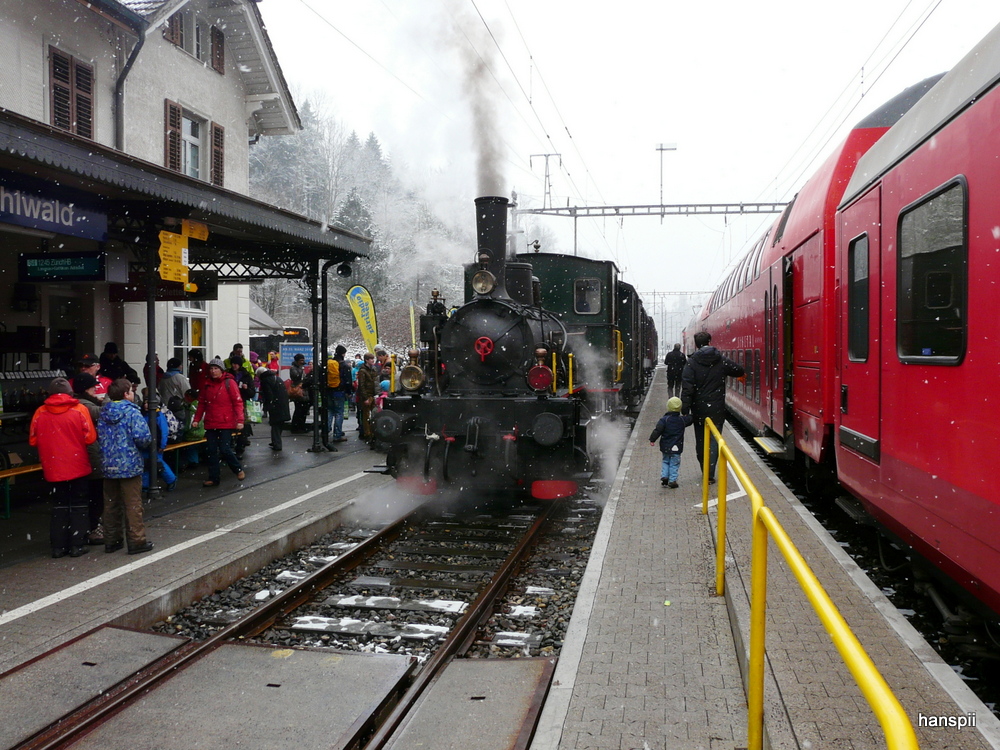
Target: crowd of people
{"x": 96, "y": 448}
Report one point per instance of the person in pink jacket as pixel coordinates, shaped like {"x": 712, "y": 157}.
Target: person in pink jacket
{"x": 62, "y": 429}
{"x": 221, "y": 406}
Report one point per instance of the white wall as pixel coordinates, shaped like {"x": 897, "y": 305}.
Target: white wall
{"x": 26, "y": 31}
{"x": 162, "y": 71}
{"x": 165, "y": 71}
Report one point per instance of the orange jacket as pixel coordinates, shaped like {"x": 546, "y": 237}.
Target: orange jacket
{"x": 62, "y": 429}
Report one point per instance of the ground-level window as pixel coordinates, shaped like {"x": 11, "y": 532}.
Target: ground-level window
{"x": 190, "y": 326}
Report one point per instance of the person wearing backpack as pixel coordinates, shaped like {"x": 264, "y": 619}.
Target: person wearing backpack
{"x": 339, "y": 385}
{"x": 174, "y": 383}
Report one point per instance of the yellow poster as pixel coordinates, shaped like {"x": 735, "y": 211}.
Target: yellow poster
{"x": 364, "y": 312}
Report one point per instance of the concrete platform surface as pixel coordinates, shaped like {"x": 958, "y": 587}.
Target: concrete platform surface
{"x": 653, "y": 658}
{"x": 255, "y": 697}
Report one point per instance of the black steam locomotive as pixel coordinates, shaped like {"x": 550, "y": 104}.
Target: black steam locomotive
{"x": 498, "y": 396}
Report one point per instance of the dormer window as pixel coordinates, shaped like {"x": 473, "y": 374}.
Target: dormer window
{"x": 198, "y": 38}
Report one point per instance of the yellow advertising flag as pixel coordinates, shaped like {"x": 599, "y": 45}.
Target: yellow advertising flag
{"x": 364, "y": 312}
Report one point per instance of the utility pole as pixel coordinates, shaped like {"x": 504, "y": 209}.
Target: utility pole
{"x": 547, "y": 198}
{"x": 661, "y": 148}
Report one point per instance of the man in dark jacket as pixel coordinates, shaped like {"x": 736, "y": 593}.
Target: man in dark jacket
{"x": 703, "y": 393}
{"x": 675, "y": 361}
{"x": 367, "y": 388}
{"x": 275, "y": 399}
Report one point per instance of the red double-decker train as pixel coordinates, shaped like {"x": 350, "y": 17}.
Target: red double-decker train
{"x": 866, "y": 319}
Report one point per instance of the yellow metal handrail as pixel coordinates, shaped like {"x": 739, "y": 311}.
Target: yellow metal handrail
{"x": 898, "y": 730}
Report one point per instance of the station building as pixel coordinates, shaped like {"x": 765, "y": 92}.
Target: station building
{"x": 120, "y": 121}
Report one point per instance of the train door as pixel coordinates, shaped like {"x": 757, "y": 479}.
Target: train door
{"x": 860, "y": 351}
{"x": 773, "y": 391}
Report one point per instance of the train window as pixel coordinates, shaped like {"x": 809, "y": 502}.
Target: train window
{"x": 857, "y": 299}
{"x": 747, "y": 364}
{"x": 587, "y": 296}
{"x": 932, "y": 280}
{"x": 759, "y": 254}
{"x": 756, "y": 375}
{"x": 784, "y": 220}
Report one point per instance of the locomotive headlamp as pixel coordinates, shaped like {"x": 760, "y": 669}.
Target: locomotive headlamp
{"x": 411, "y": 378}
{"x": 483, "y": 282}
{"x": 540, "y": 378}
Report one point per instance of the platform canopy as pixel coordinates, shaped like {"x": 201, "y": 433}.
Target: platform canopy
{"x": 248, "y": 240}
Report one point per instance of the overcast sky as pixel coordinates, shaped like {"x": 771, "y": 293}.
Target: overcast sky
{"x": 750, "y": 93}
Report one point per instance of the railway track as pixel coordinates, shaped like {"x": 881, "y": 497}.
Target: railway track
{"x": 450, "y": 569}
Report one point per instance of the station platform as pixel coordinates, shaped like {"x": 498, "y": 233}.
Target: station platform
{"x": 653, "y": 659}
{"x": 204, "y": 539}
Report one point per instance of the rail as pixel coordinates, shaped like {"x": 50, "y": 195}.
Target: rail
{"x": 898, "y": 730}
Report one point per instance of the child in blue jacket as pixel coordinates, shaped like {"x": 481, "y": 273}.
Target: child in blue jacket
{"x": 670, "y": 431}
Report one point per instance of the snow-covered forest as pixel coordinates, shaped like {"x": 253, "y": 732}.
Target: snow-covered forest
{"x": 328, "y": 173}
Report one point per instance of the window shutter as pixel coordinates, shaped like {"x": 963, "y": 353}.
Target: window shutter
{"x": 173, "y": 31}
{"x": 173, "y": 136}
{"x": 218, "y": 155}
{"x": 61, "y": 84}
{"x": 72, "y": 94}
{"x": 83, "y": 93}
{"x": 218, "y": 51}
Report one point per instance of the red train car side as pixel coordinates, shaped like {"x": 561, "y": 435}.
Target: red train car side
{"x": 866, "y": 318}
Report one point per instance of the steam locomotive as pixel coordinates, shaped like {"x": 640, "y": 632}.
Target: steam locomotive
{"x": 505, "y": 392}
{"x": 866, "y": 320}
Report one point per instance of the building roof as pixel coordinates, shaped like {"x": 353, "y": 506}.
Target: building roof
{"x": 250, "y": 47}
{"x": 260, "y": 322}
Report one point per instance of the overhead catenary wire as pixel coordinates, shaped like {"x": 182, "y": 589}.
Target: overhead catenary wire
{"x": 842, "y": 117}
{"x": 846, "y": 110}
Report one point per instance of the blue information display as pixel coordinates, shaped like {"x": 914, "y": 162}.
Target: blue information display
{"x": 286, "y": 352}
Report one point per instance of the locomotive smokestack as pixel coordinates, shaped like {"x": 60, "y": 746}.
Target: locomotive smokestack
{"x": 491, "y": 228}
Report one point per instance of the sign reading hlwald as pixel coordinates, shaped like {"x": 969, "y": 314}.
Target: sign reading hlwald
{"x": 28, "y": 209}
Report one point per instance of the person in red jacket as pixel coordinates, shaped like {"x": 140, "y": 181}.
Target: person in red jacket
{"x": 221, "y": 405}
{"x": 62, "y": 429}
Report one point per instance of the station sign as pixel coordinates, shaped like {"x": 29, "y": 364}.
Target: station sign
{"x": 43, "y": 206}
{"x": 194, "y": 229}
{"x": 33, "y": 268}
{"x": 173, "y": 248}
